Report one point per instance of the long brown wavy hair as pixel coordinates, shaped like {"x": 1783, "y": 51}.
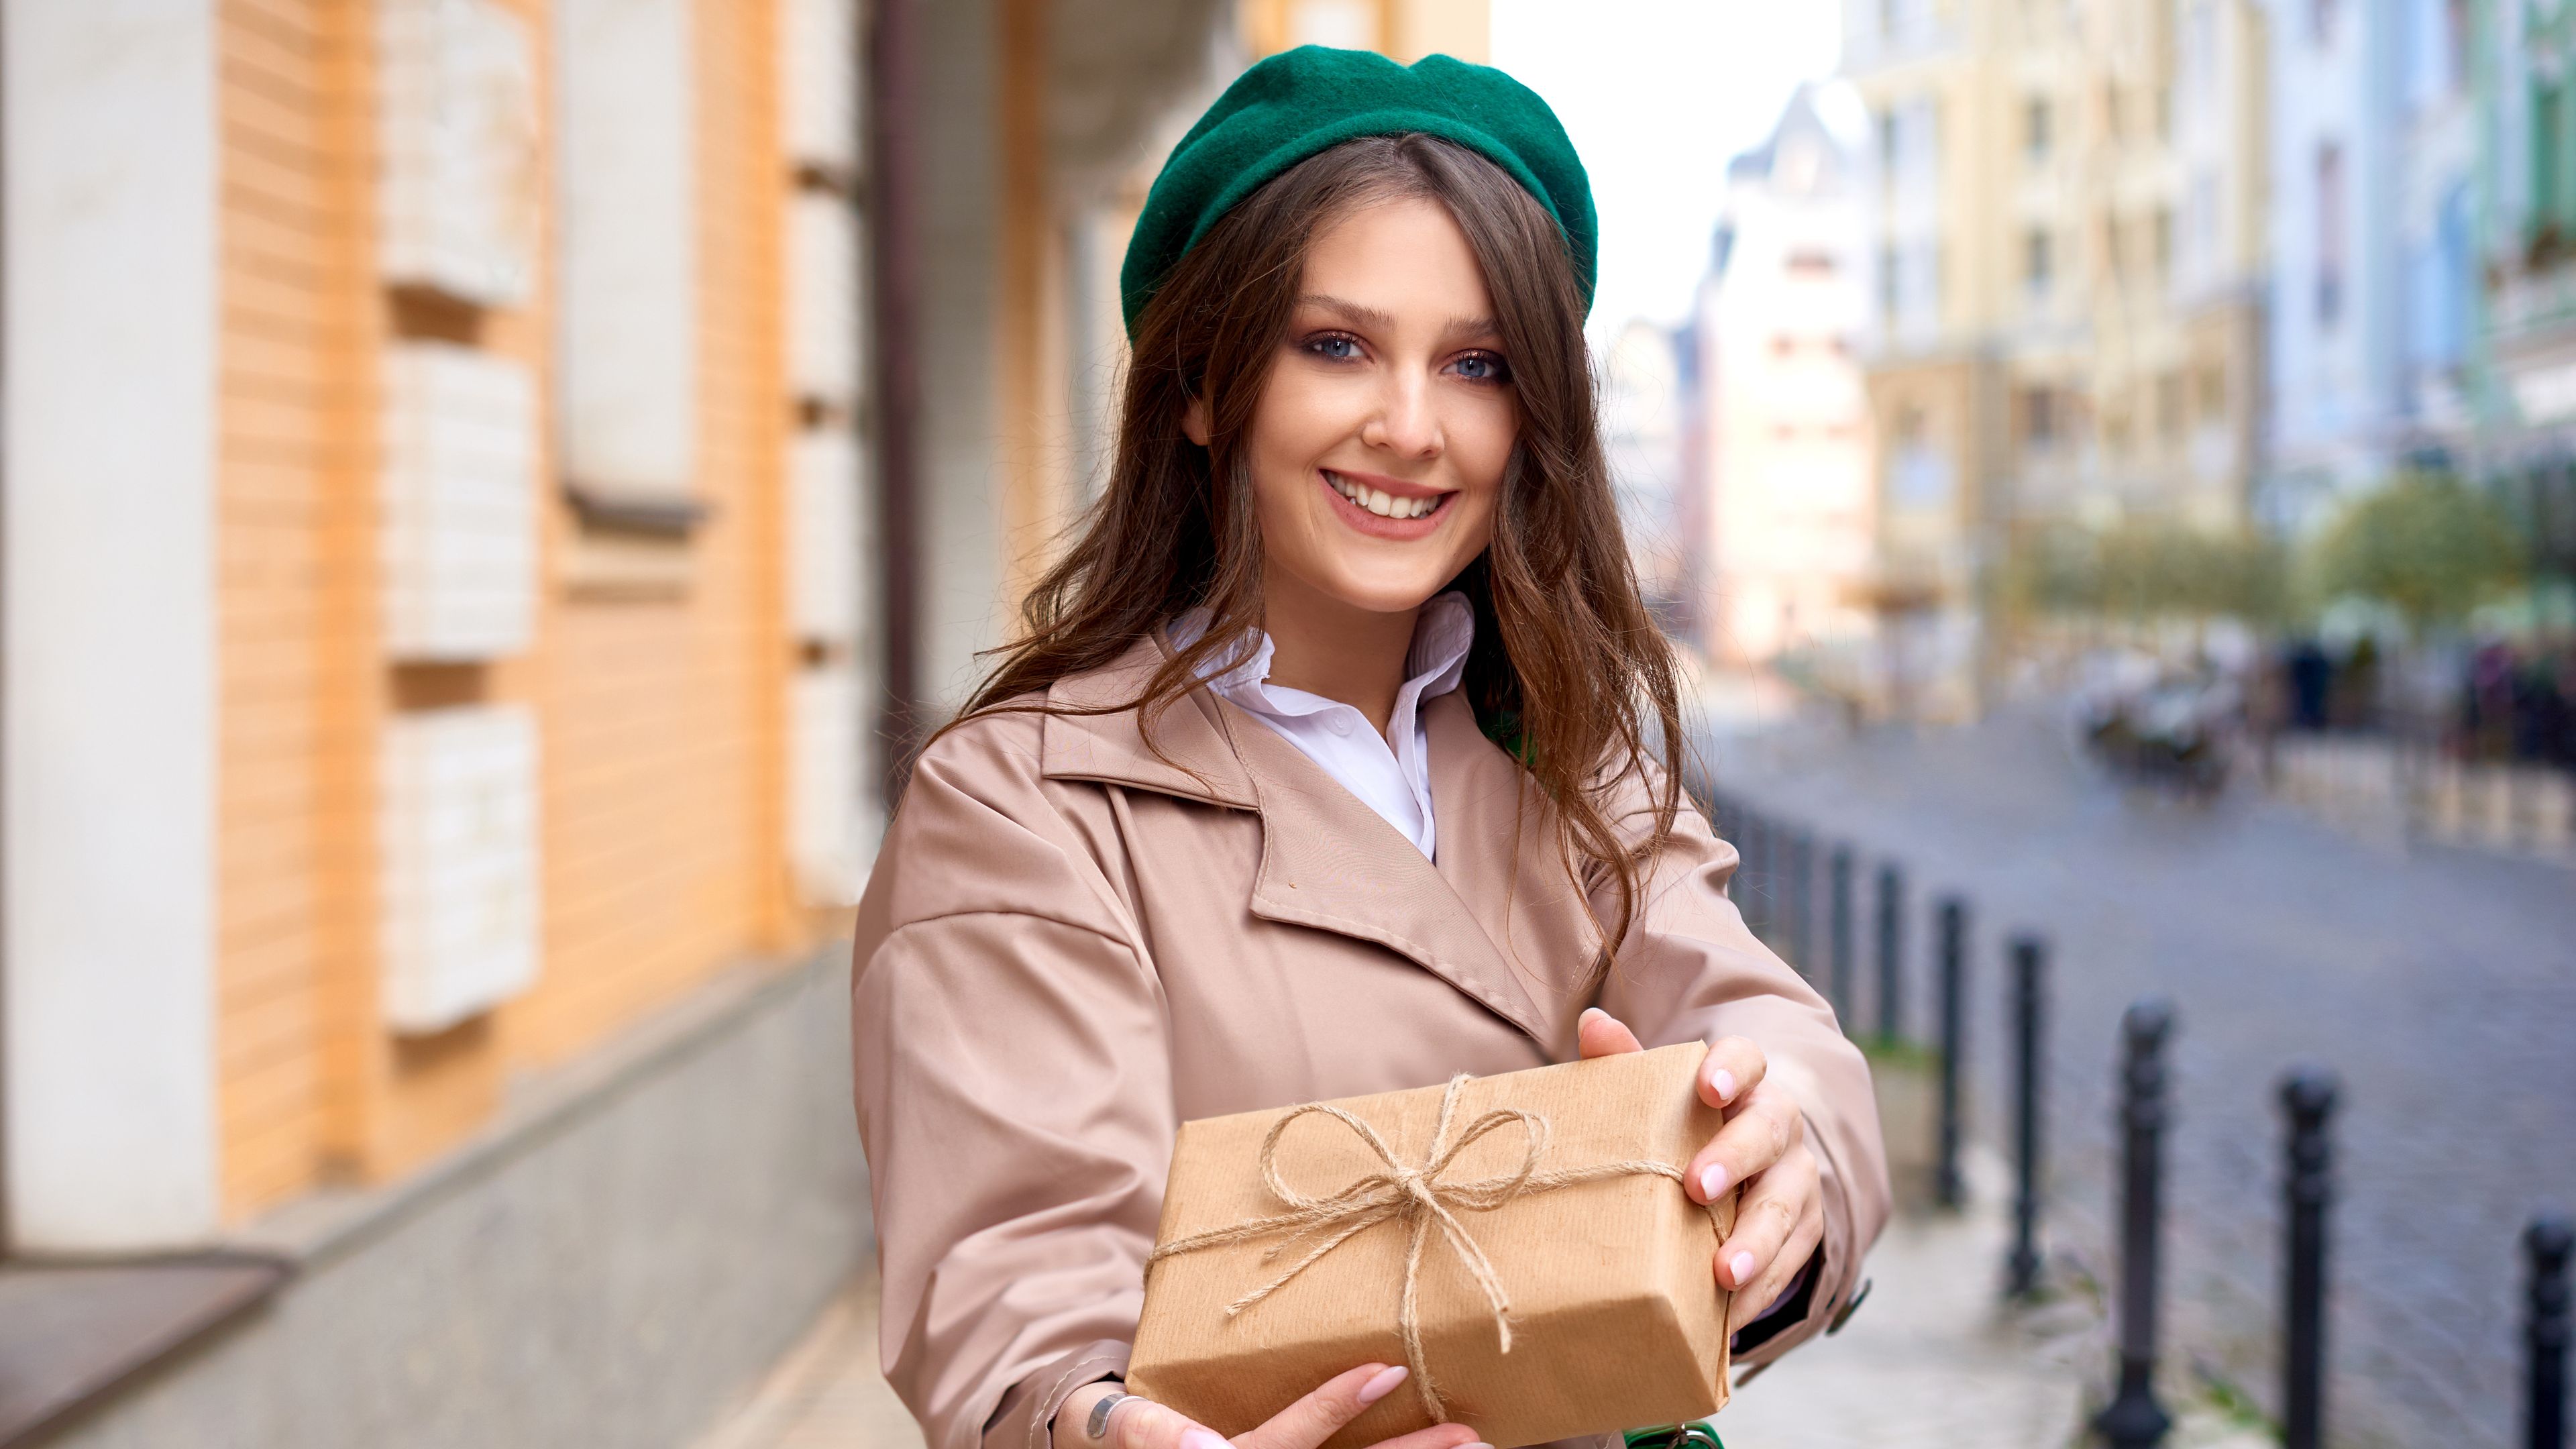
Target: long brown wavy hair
{"x": 1568, "y": 670}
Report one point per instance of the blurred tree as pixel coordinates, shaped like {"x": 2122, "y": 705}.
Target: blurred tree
{"x": 2144, "y": 569}
{"x": 2427, "y": 545}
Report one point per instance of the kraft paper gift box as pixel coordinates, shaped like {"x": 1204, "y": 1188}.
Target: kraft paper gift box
{"x": 1557, "y": 1197}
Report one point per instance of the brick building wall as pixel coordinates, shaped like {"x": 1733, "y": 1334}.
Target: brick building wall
{"x": 660, "y": 706}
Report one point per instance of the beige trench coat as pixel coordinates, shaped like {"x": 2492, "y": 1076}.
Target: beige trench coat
{"x": 1070, "y": 946}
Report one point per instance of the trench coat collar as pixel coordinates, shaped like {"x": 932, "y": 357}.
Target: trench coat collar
{"x": 1329, "y": 861}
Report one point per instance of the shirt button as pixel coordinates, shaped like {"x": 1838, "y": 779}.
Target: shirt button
{"x": 1338, "y": 724}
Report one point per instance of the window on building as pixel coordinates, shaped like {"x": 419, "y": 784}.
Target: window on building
{"x": 2330, "y": 232}
{"x": 2160, "y": 230}
{"x": 2213, "y": 392}
{"x": 626, "y": 228}
{"x": 2035, "y": 129}
{"x": 2548, "y": 153}
{"x": 2037, "y": 262}
{"x": 2321, "y": 22}
{"x": 1890, "y": 159}
{"x": 2169, "y": 406}
{"x": 1889, "y": 278}
{"x": 2456, "y": 34}
{"x": 2039, "y": 417}
{"x": 2114, "y": 258}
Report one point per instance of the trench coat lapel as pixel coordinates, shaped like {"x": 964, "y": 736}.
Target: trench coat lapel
{"x": 1188, "y": 755}
{"x": 1500, "y": 854}
{"x": 1329, "y": 861}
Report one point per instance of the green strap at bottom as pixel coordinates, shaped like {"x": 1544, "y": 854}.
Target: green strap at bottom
{"x": 1675, "y": 1436}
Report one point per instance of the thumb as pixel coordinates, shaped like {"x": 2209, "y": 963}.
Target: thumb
{"x": 1144, "y": 1424}
{"x": 1602, "y": 1035}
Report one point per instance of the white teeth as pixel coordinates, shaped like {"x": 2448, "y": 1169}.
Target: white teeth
{"x": 1384, "y": 505}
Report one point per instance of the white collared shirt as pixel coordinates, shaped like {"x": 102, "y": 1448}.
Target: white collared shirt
{"x": 1394, "y": 780}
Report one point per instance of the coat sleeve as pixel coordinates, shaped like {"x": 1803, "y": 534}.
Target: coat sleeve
{"x": 1689, "y": 970}
{"x": 1014, "y": 1097}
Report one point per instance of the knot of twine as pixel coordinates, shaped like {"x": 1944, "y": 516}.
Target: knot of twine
{"x": 1417, "y": 1196}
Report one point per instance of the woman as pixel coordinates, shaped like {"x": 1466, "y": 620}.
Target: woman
{"x": 1338, "y": 756}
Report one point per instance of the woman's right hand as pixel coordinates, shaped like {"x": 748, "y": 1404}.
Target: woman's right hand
{"x": 1136, "y": 1423}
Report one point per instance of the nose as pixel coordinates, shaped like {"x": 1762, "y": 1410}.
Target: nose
{"x": 1405, "y": 423}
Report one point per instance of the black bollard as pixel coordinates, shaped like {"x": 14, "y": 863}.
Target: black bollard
{"x": 1839, "y": 933}
{"x": 2309, "y": 1098}
{"x": 2133, "y": 1419}
{"x": 1891, "y": 921}
{"x": 1947, "y": 1189}
{"x": 2029, "y": 960}
{"x": 2546, "y": 1244}
{"x": 1802, "y": 903}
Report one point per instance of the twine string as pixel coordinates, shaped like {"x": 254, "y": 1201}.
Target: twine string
{"x": 1417, "y": 1195}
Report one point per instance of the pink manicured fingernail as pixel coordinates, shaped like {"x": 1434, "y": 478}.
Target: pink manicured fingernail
{"x": 1741, "y": 1265}
{"x": 1382, "y": 1385}
{"x": 1202, "y": 1439}
{"x": 1724, "y": 1081}
{"x": 1712, "y": 1181}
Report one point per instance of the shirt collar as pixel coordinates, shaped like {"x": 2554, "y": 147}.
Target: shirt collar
{"x": 1434, "y": 663}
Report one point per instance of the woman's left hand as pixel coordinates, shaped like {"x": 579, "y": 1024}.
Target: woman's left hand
{"x": 1780, "y": 1218}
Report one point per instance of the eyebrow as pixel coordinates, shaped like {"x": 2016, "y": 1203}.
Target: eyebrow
{"x": 1371, "y": 317}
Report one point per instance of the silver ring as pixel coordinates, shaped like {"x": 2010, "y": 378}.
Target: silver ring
{"x": 1097, "y": 1426}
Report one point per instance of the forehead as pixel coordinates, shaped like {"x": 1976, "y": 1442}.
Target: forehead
{"x": 1404, "y": 256}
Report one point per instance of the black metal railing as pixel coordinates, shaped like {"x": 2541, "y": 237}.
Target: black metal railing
{"x": 1774, "y": 889}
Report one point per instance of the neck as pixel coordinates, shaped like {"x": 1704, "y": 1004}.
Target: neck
{"x": 1324, "y": 646}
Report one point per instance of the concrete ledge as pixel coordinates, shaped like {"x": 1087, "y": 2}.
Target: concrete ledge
{"x": 71, "y": 1334}
{"x": 617, "y": 1258}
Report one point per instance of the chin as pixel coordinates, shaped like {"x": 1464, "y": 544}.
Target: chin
{"x": 1386, "y": 596}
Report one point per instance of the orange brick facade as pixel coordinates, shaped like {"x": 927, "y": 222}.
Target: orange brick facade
{"x": 661, "y": 717}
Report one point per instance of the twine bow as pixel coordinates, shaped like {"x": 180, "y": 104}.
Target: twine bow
{"x": 1417, "y": 1196}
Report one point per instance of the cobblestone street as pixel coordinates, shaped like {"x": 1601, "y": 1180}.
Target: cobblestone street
{"x": 2440, "y": 984}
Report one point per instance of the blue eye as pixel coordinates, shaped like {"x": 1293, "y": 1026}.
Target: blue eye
{"x": 1482, "y": 367}
{"x": 1334, "y": 347}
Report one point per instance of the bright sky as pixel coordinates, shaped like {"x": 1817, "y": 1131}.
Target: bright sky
{"x": 1658, "y": 95}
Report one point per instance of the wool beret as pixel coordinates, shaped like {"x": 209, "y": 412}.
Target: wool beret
{"x": 1310, "y": 99}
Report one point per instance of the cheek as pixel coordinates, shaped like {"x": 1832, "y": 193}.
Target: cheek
{"x": 1480, "y": 447}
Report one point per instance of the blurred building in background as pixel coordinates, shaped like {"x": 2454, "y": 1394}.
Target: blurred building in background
{"x": 1645, "y": 395}
{"x": 2373, "y": 257}
{"x": 1782, "y": 428}
{"x": 2068, "y": 256}
{"x": 2519, "y": 305}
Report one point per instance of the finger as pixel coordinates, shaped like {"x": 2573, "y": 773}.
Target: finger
{"x": 1765, "y": 1217}
{"x": 1599, "y": 1034}
{"x": 1765, "y": 1126}
{"x": 1772, "y": 1283}
{"x": 1144, "y": 1424}
{"x": 1732, "y": 1069}
{"x": 1438, "y": 1436}
{"x": 1320, "y": 1415}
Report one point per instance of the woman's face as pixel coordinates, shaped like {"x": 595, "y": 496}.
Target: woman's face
{"x": 1379, "y": 444}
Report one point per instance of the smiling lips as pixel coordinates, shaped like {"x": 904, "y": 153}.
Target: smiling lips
{"x": 1394, "y": 507}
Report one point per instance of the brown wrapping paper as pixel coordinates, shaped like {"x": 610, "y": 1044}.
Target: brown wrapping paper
{"x": 1615, "y": 1319}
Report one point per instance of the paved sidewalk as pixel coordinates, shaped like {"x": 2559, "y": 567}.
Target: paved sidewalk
{"x": 826, "y": 1393}
{"x": 1931, "y": 1360}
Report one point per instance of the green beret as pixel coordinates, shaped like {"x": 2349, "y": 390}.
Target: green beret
{"x": 1313, "y": 98}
